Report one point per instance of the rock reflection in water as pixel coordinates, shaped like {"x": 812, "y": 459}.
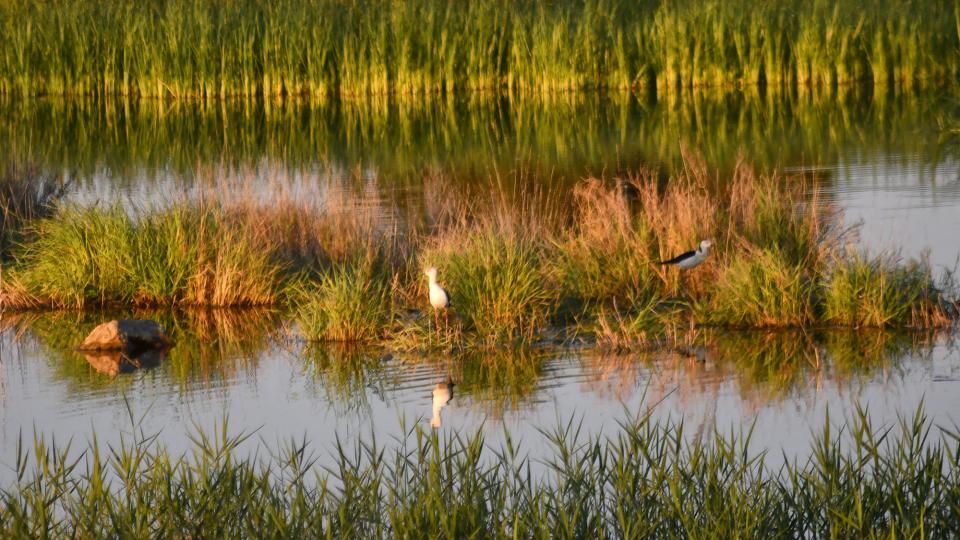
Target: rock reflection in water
{"x": 113, "y": 363}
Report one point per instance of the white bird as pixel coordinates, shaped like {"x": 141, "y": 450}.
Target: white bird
{"x": 438, "y": 298}
{"x": 693, "y": 258}
{"x": 442, "y": 394}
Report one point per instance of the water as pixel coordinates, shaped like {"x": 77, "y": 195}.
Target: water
{"x": 281, "y": 389}
{"x": 889, "y": 162}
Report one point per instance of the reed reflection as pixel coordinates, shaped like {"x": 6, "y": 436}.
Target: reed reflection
{"x": 220, "y": 350}
{"x": 564, "y": 137}
{"x": 763, "y": 367}
{"x": 349, "y": 376}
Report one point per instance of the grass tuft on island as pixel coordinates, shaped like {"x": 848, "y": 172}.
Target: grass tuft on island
{"x": 652, "y": 478}
{"x": 518, "y": 265}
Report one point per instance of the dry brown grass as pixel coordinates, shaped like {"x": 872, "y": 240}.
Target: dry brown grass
{"x": 311, "y": 220}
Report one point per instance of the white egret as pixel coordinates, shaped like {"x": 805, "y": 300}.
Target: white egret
{"x": 438, "y": 298}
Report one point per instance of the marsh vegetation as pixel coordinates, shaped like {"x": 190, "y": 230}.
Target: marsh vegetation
{"x": 329, "y": 48}
{"x": 649, "y": 479}
{"x": 268, "y": 180}
{"x": 517, "y": 264}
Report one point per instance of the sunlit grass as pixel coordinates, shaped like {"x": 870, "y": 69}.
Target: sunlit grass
{"x": 347, "y": 303}
{"x": 606, "y": 255}
{"x": 882, "y": 291}
{"x": 519, "y": 265}
{"x": 500, "y": 284}
{"x": 329, "y": 48}
{"x": 760, "y": 289}
{"x": 182, "y": 256}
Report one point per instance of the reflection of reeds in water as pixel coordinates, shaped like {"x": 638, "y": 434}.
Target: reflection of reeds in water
{"x": 349, "y": 373}
{"x": 126, "y": 142}
{"x": 218, "y": 342}
{"x": 614, "y": 376}
{"x": 496, "y": 381}
{"x": 763, "y": 366}
{"x": 778, "y": 364}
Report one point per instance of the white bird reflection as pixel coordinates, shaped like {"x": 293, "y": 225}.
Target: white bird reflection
{"x": 442, "y": 394}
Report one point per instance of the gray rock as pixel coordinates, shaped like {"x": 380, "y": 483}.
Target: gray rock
{"x": 126, "y": 335}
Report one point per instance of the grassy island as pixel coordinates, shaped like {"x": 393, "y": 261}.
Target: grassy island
{"x": 519, "y": 266}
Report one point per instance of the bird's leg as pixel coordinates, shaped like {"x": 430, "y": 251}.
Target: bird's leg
{"x": 436, "y": 317}
{"x": 446, "y": 315}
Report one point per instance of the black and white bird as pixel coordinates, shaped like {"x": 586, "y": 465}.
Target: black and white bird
{"x": 693, "y": 258}
{"x": 438, "y": 298}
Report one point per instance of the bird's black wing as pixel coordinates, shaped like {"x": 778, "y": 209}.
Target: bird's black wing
{"x": 680, "y": 258}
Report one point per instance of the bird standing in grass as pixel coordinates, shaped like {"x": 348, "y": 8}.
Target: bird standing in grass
{"x": 438, "y": 299}
{"x": 693, "y": 258}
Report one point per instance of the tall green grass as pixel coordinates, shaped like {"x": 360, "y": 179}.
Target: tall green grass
{"x": 881, "y": 291}
{"x": 760, "y": 290}
{"x": 652, "y": 478}
{"x": 181, "y": 256}
{"x": 322, "y": 48}
{"x": 348, "y": 303}
{"x": 498, "y": 283}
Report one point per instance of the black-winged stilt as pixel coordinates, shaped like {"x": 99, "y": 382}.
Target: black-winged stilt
{"x": 438, "y": 298}
{"x": 693, "y": 258}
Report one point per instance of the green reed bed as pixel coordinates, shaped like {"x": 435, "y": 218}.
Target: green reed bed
{"x": 879, "y": 291}
{"x": 347, "y": 303}
{"x": 322, "y": 48}
{"x": 180, "y": 256}
{"x": 652, "y": 478}
{"x": 502, "y": 290}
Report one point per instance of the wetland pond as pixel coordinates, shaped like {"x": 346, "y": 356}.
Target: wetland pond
{"x": 891, "y": 163}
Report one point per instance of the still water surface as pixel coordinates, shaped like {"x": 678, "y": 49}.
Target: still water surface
{"x": 284, "y": 390}
{"x": 891, "y": 163}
